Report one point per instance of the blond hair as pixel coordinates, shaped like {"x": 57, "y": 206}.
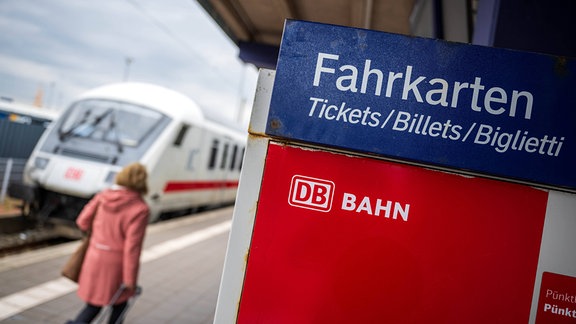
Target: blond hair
{"x": 133, "y": 176}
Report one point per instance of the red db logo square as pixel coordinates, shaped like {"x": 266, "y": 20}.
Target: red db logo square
{"x": 73, "y": 173}
{"x": 311, "y": 193}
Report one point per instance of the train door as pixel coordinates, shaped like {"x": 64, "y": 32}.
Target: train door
{"x": 180, "y": 167}
{"x": 194, "y": 166}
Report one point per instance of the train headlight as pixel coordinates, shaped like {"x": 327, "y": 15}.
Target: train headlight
{"x": 41, "y": 163}
{"x": 110, "y": 177}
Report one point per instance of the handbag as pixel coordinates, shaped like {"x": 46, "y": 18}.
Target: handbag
{"x": 72, "y": 267}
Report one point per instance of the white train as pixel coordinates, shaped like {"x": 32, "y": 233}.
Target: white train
{"x": 192, "y": 162}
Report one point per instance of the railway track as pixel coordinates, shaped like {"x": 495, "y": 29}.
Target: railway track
{"x": 17, "y": 236}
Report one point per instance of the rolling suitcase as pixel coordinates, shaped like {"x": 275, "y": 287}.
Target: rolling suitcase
{"x": 107, "y": 310}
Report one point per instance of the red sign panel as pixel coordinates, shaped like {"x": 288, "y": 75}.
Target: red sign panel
{"x": 557, "y": 302}
{"x": 342, "y": 239}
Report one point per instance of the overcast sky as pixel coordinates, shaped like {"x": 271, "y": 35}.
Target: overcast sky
{"x": 66, "y": 47}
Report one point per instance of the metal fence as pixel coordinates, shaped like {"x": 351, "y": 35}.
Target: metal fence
{"x": 11, "y": 170}
{"x": 18, "y": 140}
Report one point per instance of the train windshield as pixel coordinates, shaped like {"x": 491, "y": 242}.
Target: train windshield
{"x": 120, "y": 123}
{"x": 105, "y": 131}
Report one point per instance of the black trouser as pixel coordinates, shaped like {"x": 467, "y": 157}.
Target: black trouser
{"x": 89, "y": 313}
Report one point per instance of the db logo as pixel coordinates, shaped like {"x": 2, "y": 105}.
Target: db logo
{"x": 73, "y": 173}
{"x": 311, "y": 193}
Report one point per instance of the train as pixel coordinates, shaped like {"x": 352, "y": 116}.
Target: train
{"x": 21, "y": 126}
{"x": 193, "y": 161}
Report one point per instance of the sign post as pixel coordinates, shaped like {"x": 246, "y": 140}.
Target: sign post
{"x": 405, "y": 180}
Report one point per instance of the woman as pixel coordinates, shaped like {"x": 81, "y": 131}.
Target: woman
{"x": 117, "y": 218}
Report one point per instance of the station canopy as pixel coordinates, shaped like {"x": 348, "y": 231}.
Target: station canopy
{"x": 256, "y": 25}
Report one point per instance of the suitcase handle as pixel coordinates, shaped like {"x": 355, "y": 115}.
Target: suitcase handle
{"x": 137, "y": 291}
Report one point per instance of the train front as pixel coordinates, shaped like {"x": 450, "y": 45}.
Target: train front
{"x": 82, "y": 152}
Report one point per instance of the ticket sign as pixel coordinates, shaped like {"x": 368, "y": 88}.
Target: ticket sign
{"x": 493, "y": 111}
{"x": 345, "y": 239}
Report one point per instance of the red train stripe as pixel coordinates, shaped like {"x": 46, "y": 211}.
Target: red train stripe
{"x": 173, "y": 186}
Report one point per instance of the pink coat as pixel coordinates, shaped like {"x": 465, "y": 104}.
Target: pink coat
{"x": 120, "y": 218}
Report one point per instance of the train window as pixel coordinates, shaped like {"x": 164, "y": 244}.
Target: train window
{"x": 224, "y": 156}
{"x": 234, "y": 153}
{"x": 213, "y": 154}
{"x": 181, "y": 134}
{"x": 241, "y": 158}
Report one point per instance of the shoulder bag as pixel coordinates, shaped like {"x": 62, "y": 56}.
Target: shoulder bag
{"x": 73, "y": 266}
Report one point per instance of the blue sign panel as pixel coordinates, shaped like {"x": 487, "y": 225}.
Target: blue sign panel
{"x": 493, "y": 111}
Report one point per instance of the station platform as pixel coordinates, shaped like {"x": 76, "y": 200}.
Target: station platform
{"x": 180, "y": 272}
